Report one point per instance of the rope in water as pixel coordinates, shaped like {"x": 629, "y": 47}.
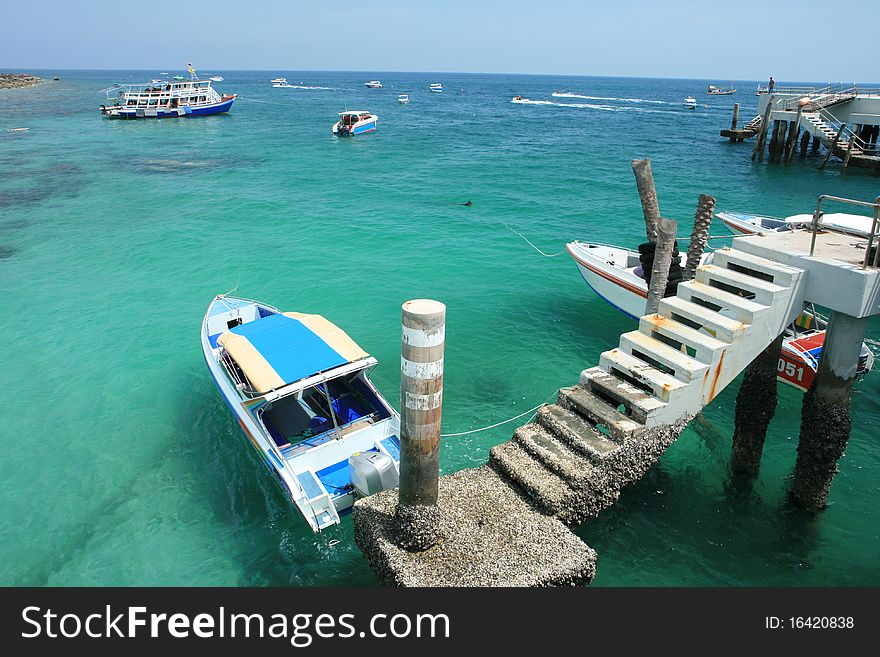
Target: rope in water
{"x": 546, "y": 255}
{"x": 492, "y": 426}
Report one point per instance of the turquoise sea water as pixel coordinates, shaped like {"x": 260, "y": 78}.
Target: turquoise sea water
{"x": 123, "y": 465}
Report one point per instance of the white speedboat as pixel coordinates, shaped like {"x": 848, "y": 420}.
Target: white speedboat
{"x": 519, "y": 99}
{"x": 355, "y": 122}
{"x": 373, "y": 84}
{"x": 690, "y": 103}
{"x": 841, "y": 222}
{"x": 615, "y": 275}
{"x": 216, "y": 78}
{"x": 298, "y": 387}
{"x": 278, "y": 81}
{"x": 403, "y": 99}
{"x": 436, "y": 87}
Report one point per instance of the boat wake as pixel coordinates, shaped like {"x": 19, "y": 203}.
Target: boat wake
{"x": 565, "y": 94}
{"x": 300, "y": 86}
{"x": 606, "y": 108}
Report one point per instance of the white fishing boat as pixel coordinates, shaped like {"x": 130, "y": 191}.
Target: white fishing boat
{"x": 354, "y": 122}
{"x": 216, "y": 78}
{"x": 403, "y": 99}
{"x": 373, "y": 84}
{"x": 298, "y": 388}
{"x": 851, "y": 224}
{"x": 436, "y": 87}
{"x": 279, "y": 81}
{"x": 615, "y": 275}
{"x": 690, "y": 103}
{"x": 712, "y": 90}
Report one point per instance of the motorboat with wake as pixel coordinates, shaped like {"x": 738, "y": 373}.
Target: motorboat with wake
{"x": 615, "y": 275}
{"x": 278, "y": 80}
{"x": 299, "y": 388}
{"x": 355, "y": 122}
{"x": 690, "y": 103}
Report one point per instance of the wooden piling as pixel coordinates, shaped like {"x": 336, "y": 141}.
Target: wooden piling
{"x": 832, "y": 146}
{"x": 648, "y": 196}
{"x": 762, "y": 136}
{"x": 699, "y": 235}
{"x": 776, "y": 142}
{"x": 662, "y": 259}
{"x": 849, "y": 147}
{"x": 755, "y": 407}
{"x": 793, "y": 130}
{"x": 734, "y": 120}
{"x": 815, "y": 144}
{"x": 805, "y": 142}
{"x": 825, "y": 418}
{"x": 421, "y": 404}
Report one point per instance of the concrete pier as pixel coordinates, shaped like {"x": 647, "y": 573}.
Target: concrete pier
{"x": 825, "y": 418}
{"x": 755, "y": 406}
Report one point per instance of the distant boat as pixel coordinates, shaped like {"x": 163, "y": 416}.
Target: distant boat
{"x": 519, "y": 99}
{"x": 690, "y": 103}
{"x": 403, "y": 99}
{"x": 436, "y": 87}
{"x": 18, "y": 129}
{"x": 355, "y": 122}
{"x": 712, "y": 90}
{"x": 179, "y": 77}
{"x": 373, "y": 84}
{"x": 216, "y": 78}
{"x": 279, "y": 81}
{"x": 166, "y": 73}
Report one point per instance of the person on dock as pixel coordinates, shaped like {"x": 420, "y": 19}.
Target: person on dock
{"x": 770, "y": 85}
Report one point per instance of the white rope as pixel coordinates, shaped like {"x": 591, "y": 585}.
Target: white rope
{"x": 492, "y": 426}
{"x": 546, "y": 255}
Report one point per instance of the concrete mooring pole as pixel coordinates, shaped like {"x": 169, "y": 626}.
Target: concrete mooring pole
{"x": 700, "y": 235}
{"x": 825, "y": 419}
{"x": 421, "y": 404}
{"x": 755, "y": 407}
{"x": 648, "y": 196}
{"x": 665, "y": 245}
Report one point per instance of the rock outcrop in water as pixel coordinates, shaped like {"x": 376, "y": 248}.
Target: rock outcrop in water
{"x": 17, "y": 80}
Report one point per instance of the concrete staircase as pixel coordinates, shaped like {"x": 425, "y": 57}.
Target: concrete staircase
{"x": 606, "y": 432}
{"x": 818, "y": 126}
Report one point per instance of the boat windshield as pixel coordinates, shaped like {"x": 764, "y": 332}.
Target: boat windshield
{"x": 344, "y": 404}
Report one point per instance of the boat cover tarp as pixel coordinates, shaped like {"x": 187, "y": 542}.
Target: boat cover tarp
{"x": 283, "y": 348}
{"x": 854, "y": 224}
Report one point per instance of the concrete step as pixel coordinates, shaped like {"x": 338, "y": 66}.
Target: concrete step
{"x": 752, "y": 265}
{"x": 549, "y": 492}
{"x": 571, "y": 467}
{"x": 695, "y": 316}
{"x": 639, "y": 404}
{"x": 606, "y": 418}
{"x": 743, "y": 285}
{"x": 678, "y": 364}
{"x": 742, "y": 309}
{"x": 647, "y": 377}
{"x": 576, "y": 432}
{"x": 697, "y": 345}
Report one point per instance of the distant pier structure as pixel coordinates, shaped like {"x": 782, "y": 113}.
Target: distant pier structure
{"x": 842, "y": 119}
{"x": 506, "y": 523}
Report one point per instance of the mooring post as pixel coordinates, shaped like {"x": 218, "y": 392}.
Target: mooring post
{"x": 849, "y": 147}
{"x": 805, "y": 141}
{"x": 762, "y": 136}
{"x": 648, "y": 196}
{"x": 421, "y": 405}
{"x": 665, "y": 245}
{"x": 734, "y": 120}
{"x": 816, "y": 143}
{"x": 825, "y": 418}
{"x": 832, "y": 146}
{"x": 700, "y": 235}
{"x": 755, "y": 406}
{"x": 793, "y": 130}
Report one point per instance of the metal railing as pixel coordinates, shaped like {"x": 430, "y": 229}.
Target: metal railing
{"x": 848, "y": 135}
{"x": 872, "y": 235}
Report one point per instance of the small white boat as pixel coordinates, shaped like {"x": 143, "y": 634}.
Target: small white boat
{"x": 436, "y": 87}
{"x": 615, "y": 275}
{"x": 519, "y": 99}
{"x": 355, "y": 122}
{"x": 216, "y": 78}
{"x": 690, "y": 103}
{"x": 373, "y": 84}
{"x": 18, "y": 129}
{"x": 851, "y": 224}
{"x": 403, "y": 99}
{"x": 156, "y": 81}
{"x": 278, "y": 81}
{"x": 299, "y": 389}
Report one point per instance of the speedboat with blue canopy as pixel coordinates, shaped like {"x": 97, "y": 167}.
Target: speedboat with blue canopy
{"x": 299, "y": 387}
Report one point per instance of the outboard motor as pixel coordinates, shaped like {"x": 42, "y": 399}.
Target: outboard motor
{"x": 372, "y": 472}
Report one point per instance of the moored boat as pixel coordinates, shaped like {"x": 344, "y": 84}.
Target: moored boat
{"x": 712, "y": 90}
{"x": 615, "y": 275}
{"x": 436, "y": 87}
{"x": 403, "y": 99}
{"x": 373, "y": 84}
{"x": 355, "y": 122}
{"x": 192, "y": 97}
{"x": 298, "y": 387}
{"x": 216, "y": 78}
{"x": 741, "y": 222}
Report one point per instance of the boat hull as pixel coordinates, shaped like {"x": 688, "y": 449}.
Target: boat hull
{"x": 222, "y": 107}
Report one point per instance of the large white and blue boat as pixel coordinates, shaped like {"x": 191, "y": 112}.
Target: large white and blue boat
{"x": 355, "y": 122}
{"x": 161, "y": 99}
{"x": 299, "y": 388}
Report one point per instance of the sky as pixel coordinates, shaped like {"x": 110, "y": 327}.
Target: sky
{"x": 735, "y": 40}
